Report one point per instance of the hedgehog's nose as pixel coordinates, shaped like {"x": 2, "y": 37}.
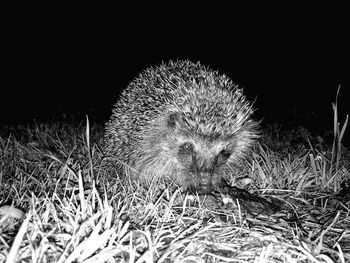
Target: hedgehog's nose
{"x": 204, "y": 178}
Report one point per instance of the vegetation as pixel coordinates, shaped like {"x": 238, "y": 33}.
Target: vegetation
{"x": 58, "y": 204}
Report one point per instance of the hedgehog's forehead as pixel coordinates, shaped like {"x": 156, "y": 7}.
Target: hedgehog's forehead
{"x": 207, "y": 108}
{"x": 206, "y": 93}
{"x": 209, "y": 126}
{"x": 213, "y": 106}
{"x": 213, "y": 121}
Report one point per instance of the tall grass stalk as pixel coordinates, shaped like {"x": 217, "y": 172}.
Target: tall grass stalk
{"x": 338, "y": 133}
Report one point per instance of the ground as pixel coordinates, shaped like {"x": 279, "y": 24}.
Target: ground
{"x": 58, "y": 204}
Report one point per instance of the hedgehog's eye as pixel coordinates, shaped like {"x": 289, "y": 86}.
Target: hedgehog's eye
{"x": 224, "y": 154}
{"x": 187, "y": 148}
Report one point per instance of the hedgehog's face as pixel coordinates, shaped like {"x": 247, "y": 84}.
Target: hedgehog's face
{"x": 174, "y": 147}
{"x": 201, "y": 164}
{"x": 201, "y": 161}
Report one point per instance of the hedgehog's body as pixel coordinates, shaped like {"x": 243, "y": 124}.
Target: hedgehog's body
{"x": 180, "y": 121}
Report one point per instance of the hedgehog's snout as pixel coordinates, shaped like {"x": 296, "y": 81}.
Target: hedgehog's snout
{"x": 201, "y": 166}
{"x": 205, "y": 178}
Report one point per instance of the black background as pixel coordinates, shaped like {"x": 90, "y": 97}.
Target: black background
{"x": 70, "y": 61}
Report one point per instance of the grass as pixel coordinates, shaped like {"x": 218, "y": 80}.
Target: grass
{"x": 57, "y": 204}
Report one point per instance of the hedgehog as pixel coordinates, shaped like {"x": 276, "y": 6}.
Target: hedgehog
{"x": 181, "y": 121}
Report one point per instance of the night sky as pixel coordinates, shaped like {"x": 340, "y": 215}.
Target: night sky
{"x": 72, "y": 65}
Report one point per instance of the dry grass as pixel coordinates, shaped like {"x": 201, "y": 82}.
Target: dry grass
{"x": 58, "y": 205}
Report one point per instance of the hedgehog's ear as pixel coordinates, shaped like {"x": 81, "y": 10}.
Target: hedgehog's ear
{"x": 173, "y": 119}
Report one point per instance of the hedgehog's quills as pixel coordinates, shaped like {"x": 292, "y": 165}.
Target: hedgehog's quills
{"x": 183, "y": 121}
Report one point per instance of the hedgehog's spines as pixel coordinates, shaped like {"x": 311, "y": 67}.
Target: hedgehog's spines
{"x": 175, "y": 103}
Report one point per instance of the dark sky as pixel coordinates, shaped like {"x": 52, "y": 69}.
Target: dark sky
{"x": 290, "y": 64}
